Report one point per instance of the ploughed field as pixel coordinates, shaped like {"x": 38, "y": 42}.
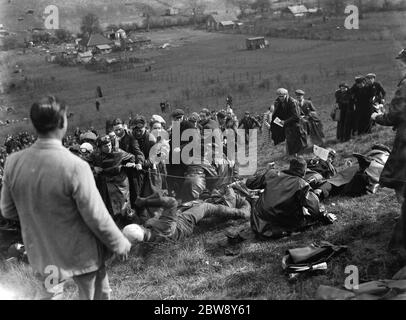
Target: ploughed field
{"x": 200, "y": 72}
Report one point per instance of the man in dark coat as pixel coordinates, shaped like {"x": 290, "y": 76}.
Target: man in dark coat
{"x": 148, "y": 179}
{"x": 248, "y": 123}
{"x": 377, "y": 89}
{"x": 362, "y": 96}
{"x": 129, "y": 144}
{"x": 346, "y": 106}
{"x": 310, "y": 119}
{"x": 287, "y": 204}
{"x": 286, "y": 123}
{"x": 108, "y": 166}
{"x": 394, "y": 173}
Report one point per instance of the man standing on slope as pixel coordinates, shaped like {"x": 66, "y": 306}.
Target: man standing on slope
{"x": 65, "y": 225}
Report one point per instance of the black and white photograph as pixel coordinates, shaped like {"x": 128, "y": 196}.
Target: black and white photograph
{"x": 211, "y": 152}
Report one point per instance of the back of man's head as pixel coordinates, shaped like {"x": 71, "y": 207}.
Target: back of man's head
{"x": 48, "y": 114}
{"x": 298, "y": 166}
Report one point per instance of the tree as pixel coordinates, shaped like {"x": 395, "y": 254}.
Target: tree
{"x": 335, "y": 6}
{"x": 197, "y": 7}
{"x": 261, "y": 5}
{"x": 62, "y": 35}
{"x": 90, "y": 25}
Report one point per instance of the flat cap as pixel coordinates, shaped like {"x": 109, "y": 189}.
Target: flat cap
{"x": 138, "y": 120}
{"x": 157, "y": 118}
{"x": 281, "y": 91}
{"x": 88, "y": 136}
{"x": 300, "y": 92}
{"x": 370, "y": 75}
{"x": 177, "y": 113}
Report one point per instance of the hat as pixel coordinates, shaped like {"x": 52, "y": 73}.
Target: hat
{"x": 381, "y": 147}
{"x": 247, "y": 112}
{"x": 158, "y": 118}
{"x": 86, "y": 147}
{"x": 177, "y": 113}
{"x": 300, "y": 92}
{"x": 117, "y": 122}
{"x": 88, "y": 136}
{"x": 402, "y": 54}
{"x": 205, "y": 111}
{"x": 281, "y": 91}
{"x": 332, "y": 152}
{"x": 138, "y": 121}
{"x": 103, "y": 140}
{"x": 370, "y": 75}
{"x": 298, "y": 166}
{"x": 194, "y": 116}
{"x": 343, "y": 84}
{"x": 359, "y": 79}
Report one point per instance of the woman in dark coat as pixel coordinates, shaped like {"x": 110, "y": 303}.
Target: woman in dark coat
{"x": 394, "y": 173}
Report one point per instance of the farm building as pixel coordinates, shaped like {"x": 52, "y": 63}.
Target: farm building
{"x": 172, "y": 11}
{"x": 85, "y": 57}
{"x": 295, "y": 11}
{"x": 135, "y": 40}
{"x": 103, "y": 48}
{"x": 219, "y": 22}
{"x": 256, "y": 43}
{"x": 94, "y": 41}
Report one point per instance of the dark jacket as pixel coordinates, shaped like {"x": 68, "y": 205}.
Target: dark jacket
{"x": 145, "y": 144}
{"x": 249, "y": 123}
{"x": 129, "y": 144}
{"x": 288, "y": 111}
{"x": 112, "y": 182}
{"x": 394, "y": 172}
{"x": 280, "y": 207}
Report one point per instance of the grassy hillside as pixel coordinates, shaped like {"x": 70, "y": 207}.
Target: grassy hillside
{"x": 199, "y": 71}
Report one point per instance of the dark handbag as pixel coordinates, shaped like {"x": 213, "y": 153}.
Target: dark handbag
{"x": 336, "y": 114}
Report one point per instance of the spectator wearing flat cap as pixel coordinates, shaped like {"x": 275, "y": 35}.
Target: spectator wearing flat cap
{"x": 248, "y": 123}
{"x": 310, "y": 119}
{"x": 109, "y": 166}
{"x": 287, "y": 204}
{"x": 362, "y": 96}
{"x": 128, "y": 143}
{"x": 377, "y": 89}
{"x": 289, "y": 126}
{"x": 148, "y": 179}
{"x": 346, "y": 106}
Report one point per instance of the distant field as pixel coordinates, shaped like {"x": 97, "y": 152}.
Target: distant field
{"x": 200, "y": 73}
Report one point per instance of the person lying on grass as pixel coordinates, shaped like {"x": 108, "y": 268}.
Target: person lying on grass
{"x": 175, "y": 224}
{"x": 287, "y": 204}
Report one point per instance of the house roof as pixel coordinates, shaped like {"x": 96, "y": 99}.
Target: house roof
{"x": 103, "y": 47}
{"x": 87, "y": 54}
{"x": 224, "y": 17}
{"x": 298, "y": 10}
{"x": 227, "y": 23}
{"x": 97, "y": 39}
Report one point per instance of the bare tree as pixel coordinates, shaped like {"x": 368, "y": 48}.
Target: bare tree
{"x": 197, "y": 7}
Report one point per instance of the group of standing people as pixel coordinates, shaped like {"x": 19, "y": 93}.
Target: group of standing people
{"x": 356, "y": 104}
